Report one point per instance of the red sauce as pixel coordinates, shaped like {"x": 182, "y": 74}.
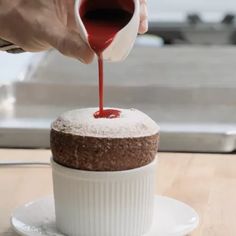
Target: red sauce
{"x": 107, "y": 113}
{"x": 102, "y": 20}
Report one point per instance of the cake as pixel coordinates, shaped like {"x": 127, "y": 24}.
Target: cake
{"x": 80, "y": 141}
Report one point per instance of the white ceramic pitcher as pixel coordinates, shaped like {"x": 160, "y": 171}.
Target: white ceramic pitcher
{"x": 124, "y": 40}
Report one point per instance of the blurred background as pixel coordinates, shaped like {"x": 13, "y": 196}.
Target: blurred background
{"x": 182, "y": 74}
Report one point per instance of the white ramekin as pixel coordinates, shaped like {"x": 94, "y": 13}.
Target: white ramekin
{"x": 117, "y": 203}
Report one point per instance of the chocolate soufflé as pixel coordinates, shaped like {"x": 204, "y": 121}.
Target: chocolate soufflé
{"x": 80, "y": 141}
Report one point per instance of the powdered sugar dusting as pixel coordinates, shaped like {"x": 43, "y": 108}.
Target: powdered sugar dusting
{"x": 131, "y": 123}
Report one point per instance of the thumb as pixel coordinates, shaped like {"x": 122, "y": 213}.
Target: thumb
{"x": 70, "y": 43}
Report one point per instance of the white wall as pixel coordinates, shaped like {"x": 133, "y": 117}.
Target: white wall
{"x": 161, "y": 7}
{"x": 13, "y": 66}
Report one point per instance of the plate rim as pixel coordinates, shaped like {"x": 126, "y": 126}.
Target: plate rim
{"x": 50, "y": 197}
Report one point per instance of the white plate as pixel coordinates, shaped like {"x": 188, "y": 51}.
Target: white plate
{"x": 171, "y": 218}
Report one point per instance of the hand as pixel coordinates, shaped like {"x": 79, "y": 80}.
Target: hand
{"x": 143, "y": 27}
{"x": 42, "y": 24}
{"x": 37, "y": 25}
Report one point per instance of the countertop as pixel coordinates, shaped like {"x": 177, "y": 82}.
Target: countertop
{"x": 207, "y": 182}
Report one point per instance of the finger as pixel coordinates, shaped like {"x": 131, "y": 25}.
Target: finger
{"x": 143, "y": 11}
{"x": 70, "y": 43}
{"x": 143, "y": 27}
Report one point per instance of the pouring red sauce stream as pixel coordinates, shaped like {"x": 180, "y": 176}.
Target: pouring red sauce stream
{"x": 102, "y": 20}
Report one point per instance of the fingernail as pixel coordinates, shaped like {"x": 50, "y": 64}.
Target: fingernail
{"x": 144, "y": 26}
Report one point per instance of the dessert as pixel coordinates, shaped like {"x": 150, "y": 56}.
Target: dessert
{"x": 80, "y": 141}
{"x": 103, "y": 162}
